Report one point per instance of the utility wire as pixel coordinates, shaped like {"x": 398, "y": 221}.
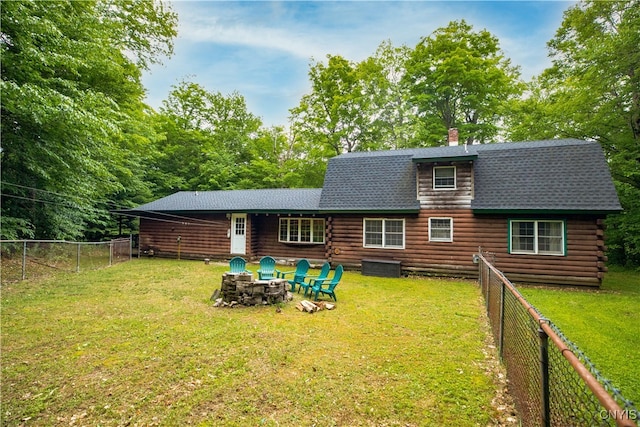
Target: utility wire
{"x": 67, "y": 196}
{"x": 204, "y": 221}
{"x": 13, "y": 196}
{"x": 167, "y": 220}
{"x": 199, "y": 221}
{"x": 119, "y": 213}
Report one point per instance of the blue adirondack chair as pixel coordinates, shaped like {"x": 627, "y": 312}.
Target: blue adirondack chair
{"x": 328, "y": 287}
{"x": 238, "y": 265}
{"x": 324, "y": 272}
{"x": 298, "y": 274}
{"x": 267, "y": 268}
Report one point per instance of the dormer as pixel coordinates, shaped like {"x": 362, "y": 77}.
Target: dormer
{"x": 444, "y": 177}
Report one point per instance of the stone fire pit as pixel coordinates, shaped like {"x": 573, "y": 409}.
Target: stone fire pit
{"x": 240, "y": 288}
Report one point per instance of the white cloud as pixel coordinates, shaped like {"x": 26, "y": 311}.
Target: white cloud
{"x": 256, "y": 37}
{"x": 262, "y": 49}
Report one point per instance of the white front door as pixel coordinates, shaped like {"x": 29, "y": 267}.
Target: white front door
{"x": 239, "y": 234}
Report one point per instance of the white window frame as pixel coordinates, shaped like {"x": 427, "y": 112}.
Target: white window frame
{"x": 536, "y": 237}
{"x": 441, "y": 239}
{"x": 298, "y": 238}
{"x": 384, "y": 232}
{"x": 448, "y": 187}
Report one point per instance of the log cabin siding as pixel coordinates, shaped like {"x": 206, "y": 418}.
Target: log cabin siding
{"x": 266, "y": 236}
{"x": 431, "y": 198}
{"x": 211, "y": 240}
{"x": 204, "y": 237}
{"x": 488, "y": 178}
{"x": 582, "y": 264}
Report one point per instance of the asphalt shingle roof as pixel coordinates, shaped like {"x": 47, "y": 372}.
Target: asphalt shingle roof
{"x": 263, "y": 200}
{"x": 565, "y": 175}
{"x": 386, "y": 181}
{"x": 549, "y": 175}
{"x": 554, "y": 175}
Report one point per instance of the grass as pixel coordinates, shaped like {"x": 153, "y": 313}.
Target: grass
{"x": 140, "y": 343}
{"x": 604, "y": 324}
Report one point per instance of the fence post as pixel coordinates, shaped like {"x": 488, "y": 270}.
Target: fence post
{"x": 487, "y": 295}
{"x": 78, "y": 260}
{"x": 501, "y": 336}
{"x": 544, "y": 376}
{"x": 24, "y": 260}
{"x": 110, "y": 252}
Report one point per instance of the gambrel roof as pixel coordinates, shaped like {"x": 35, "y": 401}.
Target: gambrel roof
{"x": 373, "y": 181}
{"x": 566, "y": 175}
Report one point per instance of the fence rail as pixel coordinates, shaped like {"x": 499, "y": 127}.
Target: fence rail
{"x": 552, "y": 381}
{"x": 22, "y": 259}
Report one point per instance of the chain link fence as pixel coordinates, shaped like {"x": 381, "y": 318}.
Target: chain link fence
{"x": 22, "y": 259}
{"x": 551, "y": 380}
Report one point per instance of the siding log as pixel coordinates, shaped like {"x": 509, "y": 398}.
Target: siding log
{"x": 469, "y": 232}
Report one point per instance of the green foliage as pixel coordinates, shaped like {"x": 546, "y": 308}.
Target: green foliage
{"x": 77, "y": 140}
{"x": 592, "y": 92}
{"x": 144, "y": 344}
{"x": 604, "y": 324}
{"x": 15, "y": 228}
{"x": 356, "y": 106}
{"x": 335, "y": 116}
{"x": 401, "y": 98}
{"x": 70, "y": 93}
{"x": 395, "y": 119}
{"x": 211, "y": 142}
{"x": 459, "y": 78}
{"x": 206, "y": 140}
{"x": 623, "y": 230}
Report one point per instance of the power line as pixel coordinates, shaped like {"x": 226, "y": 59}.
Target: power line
{"x": 67, "y": 196}
{"x": 205, "y": 221}
{"x": 167, "y": 220}
{"x": 118, "y": 213}
{"x": 199, "y": 221}
{"x": 32, "y": 199}
{"x": 188, "y": 220}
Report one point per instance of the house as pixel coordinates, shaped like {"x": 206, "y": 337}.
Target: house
{"x": 538, "y": 207}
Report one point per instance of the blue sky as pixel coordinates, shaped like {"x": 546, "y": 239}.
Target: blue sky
{"x": 263, "y": 49}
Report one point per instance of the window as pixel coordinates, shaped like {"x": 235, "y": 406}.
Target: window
{"x": 240, "y": 226}
{"x": 301, "y": 230}
{"x": 440, "y": 230}
{"x": 383, "y": 233}
{"x": 444, "y": 177}
{"x": 537, "y": 237}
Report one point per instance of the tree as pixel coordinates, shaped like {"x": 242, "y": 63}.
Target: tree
{"x": 592, "y": 92}
{"x": 352, "y": 107}
{"x": 394, "y": 116}
{"x": 459, "y": 78}
{"x": 207, "y": 140}
{"x": 71, "y": 96}
{"x": 274, "y": 162}
{"x": 335, "y": 117}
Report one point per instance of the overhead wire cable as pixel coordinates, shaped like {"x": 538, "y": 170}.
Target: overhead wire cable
{"x": 204, "y": 221}
{"x": 60, "y": 194}
{"x": 165, "y": 220}
{"x": 200, "y": 221}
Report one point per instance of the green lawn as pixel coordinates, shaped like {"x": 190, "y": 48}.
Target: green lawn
{"x": 604, "y": 324}
{"x": 140, "y": 343}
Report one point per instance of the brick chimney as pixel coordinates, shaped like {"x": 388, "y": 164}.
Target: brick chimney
{"x": 453, "y": 137}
